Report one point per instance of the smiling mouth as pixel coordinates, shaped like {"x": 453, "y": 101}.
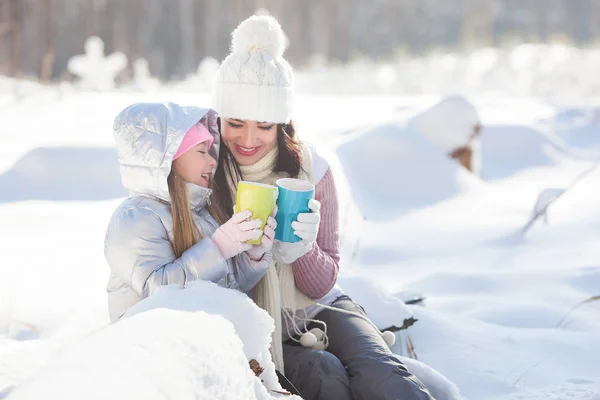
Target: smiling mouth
{"x": 247, "y": 151}
{"x": 206, "y": 177}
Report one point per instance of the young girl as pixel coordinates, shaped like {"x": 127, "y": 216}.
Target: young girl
{"x": 347, "y": 357}
{"x": 162, "y": 234}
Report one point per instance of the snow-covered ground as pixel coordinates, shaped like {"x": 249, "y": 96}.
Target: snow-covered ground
{"x": 412, "y": 220}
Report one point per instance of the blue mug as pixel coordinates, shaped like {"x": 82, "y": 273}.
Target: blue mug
{"x": 294, "y": 195}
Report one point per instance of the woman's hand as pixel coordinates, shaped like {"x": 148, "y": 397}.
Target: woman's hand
{"x": 307, "y": 229}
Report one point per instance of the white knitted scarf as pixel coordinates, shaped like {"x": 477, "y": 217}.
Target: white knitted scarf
{"x": 276, "y": 292}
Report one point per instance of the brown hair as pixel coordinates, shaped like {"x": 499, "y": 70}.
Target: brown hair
{"x": 289, "y": 160}
{"x": 185, "y": 231}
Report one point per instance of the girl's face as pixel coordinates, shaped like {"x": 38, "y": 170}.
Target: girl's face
{"x": 248, "y": 141}
{"x": 195, "y": 165}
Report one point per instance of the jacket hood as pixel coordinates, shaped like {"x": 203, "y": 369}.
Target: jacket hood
{"x": 148, "y": 135}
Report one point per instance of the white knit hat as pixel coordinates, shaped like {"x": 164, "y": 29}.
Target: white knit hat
{"x": 254, "y": 81}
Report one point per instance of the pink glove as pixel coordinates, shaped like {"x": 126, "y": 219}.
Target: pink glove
{"x": 257, "y": 252}
{"x": 231, "y": 237}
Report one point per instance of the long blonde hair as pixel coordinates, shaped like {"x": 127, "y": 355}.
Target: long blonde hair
{"x": 185, "y": 231}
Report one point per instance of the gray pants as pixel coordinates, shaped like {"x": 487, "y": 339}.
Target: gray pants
{"x": 357, "y": 365}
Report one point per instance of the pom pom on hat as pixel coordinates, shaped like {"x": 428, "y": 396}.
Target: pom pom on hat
{"x": 259, "y": 32}
{"x": 254, "y": 81}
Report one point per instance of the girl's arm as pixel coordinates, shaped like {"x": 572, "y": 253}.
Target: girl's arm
{"x": 138, "y": 250}
{"x": 249, "y": 272}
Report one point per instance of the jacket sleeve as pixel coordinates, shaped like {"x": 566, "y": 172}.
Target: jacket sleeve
{"x": 248, "y": 272}
{"x": 138, "y": 250}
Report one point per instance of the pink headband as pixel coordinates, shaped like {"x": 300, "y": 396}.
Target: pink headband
{"x": 194, "y": 136}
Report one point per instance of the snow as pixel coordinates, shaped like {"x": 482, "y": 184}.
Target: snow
{"x": 96, "y": 71}
{"x": 578, "y": 126}
{"x": 388, "y": 311}
{"x": 400, "y": 151}
{"x": 508, "y": 149}
{"x": 252, "y": 324}
{"x": 52, "y": 173}
{"x": 383, "y": 308}
{"x": 449, "y": 124}
{"x": 142, "y": 79}
{"x": 412, "y": 220}
{"x": 160, "y": 354}
{"x": 438, "y": 385}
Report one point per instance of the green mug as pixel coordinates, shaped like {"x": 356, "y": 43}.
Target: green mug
{"x": 259, "y": 198}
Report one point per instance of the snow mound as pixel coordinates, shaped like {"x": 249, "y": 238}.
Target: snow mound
{"x": 142, "y": 79}
{"x": 185, "y": 332}
{"x": 509, "y": 149}
{"x": 252, "y": 324}
{"x": 384, "y": 309}
{"x": 95, "y": 70}
{"x": 448, "y": 124}
{"x": 63, "y": 174}
{"x": 509, "y": 360}
{"x": 392, "y": 169}
{"x": 438, "y": 385}
{"x": 579, "y": 127}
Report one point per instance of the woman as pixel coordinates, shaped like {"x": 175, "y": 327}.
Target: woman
{"x": 347, "y": 357}
{"x": 163, "y": 234}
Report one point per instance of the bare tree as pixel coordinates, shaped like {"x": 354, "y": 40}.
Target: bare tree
{"x": 175, "y": 35}
{"x": 12, "y": 27}
{"x": 187, "y": 29}
{"x": 47, "y": 37}
{"x": 477, "y": 22}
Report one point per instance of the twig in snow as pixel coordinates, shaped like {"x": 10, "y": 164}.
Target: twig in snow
{"x": 590, "y": 300}
{"x": 410, "y": 347}
{"x": 255, "y": 367}
{"x": 524, "y": 374}
{"x": 549, "y": 197}
{"x": 408, "y": 322}
{"x": 357, "y": 245}
{"x": 6, "y": 391}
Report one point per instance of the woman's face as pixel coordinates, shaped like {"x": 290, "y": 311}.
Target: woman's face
{"x": 248, "y": 141}
{"x": 195, "y": 165}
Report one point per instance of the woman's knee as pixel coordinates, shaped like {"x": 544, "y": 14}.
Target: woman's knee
{"x": 317, "y": 374}
{"x": 389, "y": 386}
{"x": 313, "y": 361}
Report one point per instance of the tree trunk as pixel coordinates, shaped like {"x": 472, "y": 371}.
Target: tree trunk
{"x": 187, "y": 37}
{"x": 15, "y": 13}
{"x": 47, "y": 37}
